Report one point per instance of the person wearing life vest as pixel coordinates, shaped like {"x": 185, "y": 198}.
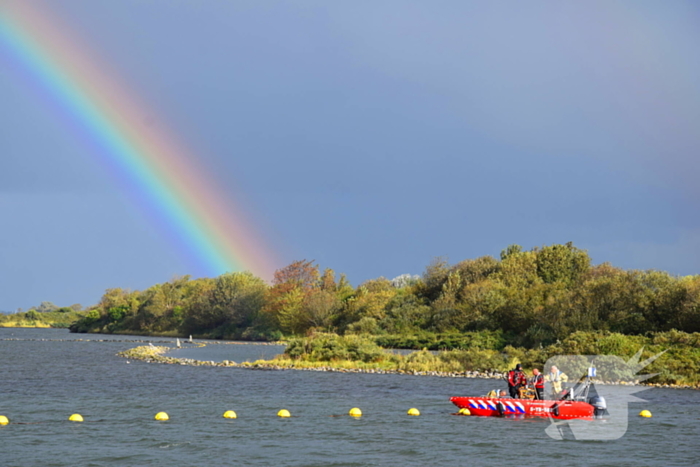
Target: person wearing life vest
{"x": 537, "y": 382}
{"x": 516, "y": 380}
{"x": 557, "y": 378}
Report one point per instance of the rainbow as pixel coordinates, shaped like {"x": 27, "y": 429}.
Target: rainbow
{"x": 153, "y": 166}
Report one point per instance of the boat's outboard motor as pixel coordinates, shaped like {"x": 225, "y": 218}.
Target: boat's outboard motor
{"x": 598, "y": 404}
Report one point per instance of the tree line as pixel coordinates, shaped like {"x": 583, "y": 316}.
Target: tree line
{"x": 526, "y": 298}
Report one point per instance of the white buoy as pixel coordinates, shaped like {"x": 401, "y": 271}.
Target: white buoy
{"x": 190, "y": 337}
{"x": 178, "y": 341}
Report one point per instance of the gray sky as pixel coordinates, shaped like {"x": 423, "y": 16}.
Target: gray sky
{"x": 369, "y": 136}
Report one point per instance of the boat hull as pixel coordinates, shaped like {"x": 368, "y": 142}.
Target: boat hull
{"x": 506, "y": 407}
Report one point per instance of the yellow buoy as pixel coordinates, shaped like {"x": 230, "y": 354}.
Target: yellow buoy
{"x": 4, "y": 420}
{"x": 413, "y": 412}
{"x": 162, "y": 416}
{"x": 645, "y": 414}
{"x": 230, "y": 414}
{"x": 355, "y": 412}
{"x": 76, "y": 417}
{"x": 284, "y": 413}
{"x": 464, "y": 411}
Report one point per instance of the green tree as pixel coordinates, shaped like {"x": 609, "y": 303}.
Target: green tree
{"x": 476, "y": 270}
{"x": 117, "y": 313}
{"x": 688, "y": 318}
{"x": 406, "y": 313}
{"x": 46, "y": 307}
{"x": 320, "y": 309}
{"x": 479, "y": 304}
{"x": 434, "y": 277}
{"x": 289, "y": 309}
{"x": 327, "y": 281}
{"x": 32, "y": 315}
{"x": 370, "y": 300}
{"x": 564, "y": 263}
{"x": 197, "y": 307}
{"x": 283, "y": 308}
{"x": 228, "y": 306}
{"x": 511, "y": 250}
{"x": 446, "y": 314}
{"x": 518, "y": 270}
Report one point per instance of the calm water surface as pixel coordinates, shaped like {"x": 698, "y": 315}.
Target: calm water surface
{"x": 49, "y": 374}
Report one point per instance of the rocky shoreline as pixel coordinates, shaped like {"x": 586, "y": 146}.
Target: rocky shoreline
{"x": 197, "y": 343}
{"x": 154, "y": 354}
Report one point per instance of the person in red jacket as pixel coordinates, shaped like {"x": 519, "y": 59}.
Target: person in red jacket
{"x": 537, "y": 382}
{"x": 516, "y": 380}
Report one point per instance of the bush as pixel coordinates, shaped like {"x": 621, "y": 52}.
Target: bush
{"x": 492, "y": 340}
{"x": 323, "y": 347}
{"x": 32, "y": 315}
{"x": 366, "y": 325}
{"x": 476, "y": 359}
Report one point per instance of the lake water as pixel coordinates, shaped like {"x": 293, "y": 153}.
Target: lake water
{"x": 47, "y": 375}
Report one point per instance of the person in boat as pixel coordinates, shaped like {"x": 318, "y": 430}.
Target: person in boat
{"x": 537, "y": 382}
{"x": 495, "y": 393}
{"x": 516, "y": 380}
{"x": 557, "y": 378}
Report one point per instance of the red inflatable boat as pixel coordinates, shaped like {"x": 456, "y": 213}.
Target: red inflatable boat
{"x": 576, "y": 404}
{"x": 503, "y": 407}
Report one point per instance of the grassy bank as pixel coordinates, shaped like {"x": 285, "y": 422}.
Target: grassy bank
{"x": 13, "y": 323}
{"x": 34, "y": 319}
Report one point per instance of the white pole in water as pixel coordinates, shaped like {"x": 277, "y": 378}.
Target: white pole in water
{"x": 178, "y": 341}
{"x": 190, "y": 337}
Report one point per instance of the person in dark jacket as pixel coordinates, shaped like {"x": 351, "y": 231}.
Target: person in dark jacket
{"x": 516, "y": 380}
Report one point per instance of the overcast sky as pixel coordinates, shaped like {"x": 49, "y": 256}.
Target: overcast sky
{"x": 370, "y": 136}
